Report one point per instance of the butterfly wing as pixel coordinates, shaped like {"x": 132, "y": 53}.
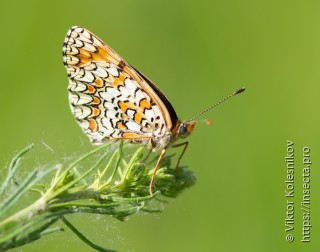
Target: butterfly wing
{"x": 108, "y": 97}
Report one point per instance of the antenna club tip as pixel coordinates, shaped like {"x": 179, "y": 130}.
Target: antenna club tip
{"x": 240, "y": 90}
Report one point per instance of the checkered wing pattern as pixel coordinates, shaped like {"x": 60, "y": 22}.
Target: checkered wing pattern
{"x": 108, "y": 97}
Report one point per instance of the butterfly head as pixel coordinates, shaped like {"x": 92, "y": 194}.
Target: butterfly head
{"x": 185, "y": 128}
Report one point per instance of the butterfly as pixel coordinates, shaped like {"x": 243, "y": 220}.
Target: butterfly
{"x": 111, "y": 100}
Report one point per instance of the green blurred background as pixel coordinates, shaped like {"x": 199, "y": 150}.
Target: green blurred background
{"x": 197, "y": 52}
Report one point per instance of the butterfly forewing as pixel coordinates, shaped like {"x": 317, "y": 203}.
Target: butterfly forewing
{"x": 108, "y": 97}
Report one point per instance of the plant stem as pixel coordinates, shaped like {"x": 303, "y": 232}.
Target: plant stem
{"x": 123, "y": 193}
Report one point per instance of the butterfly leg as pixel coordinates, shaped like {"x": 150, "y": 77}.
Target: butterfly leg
{"x": 147, "y": 156}
{"x": 149, "y": 153}
{"x": 155, "y": 170}
{"x": 185, "y": 144}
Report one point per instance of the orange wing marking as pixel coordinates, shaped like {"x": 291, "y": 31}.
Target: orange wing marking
{"x": 121, "y": 126}
{"x": 95, "y": 112}
{"x": 118, "y": 81}
{"x": 96, "y": 101}
{"x": 144, "y": 104}
{"x": 124, "y": 116}
{"x": 93, "y": 124}
{"x": 124, "y": 106}
{"x": 98, "y": 82}
{"x": 91, "y": 89}
{"x": 85, "y": 56}
{"x": 138, "y": 117}
{"x": 133, "y": 136}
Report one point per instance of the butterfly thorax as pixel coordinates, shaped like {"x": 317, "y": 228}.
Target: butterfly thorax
{"x": 180, "y": 131}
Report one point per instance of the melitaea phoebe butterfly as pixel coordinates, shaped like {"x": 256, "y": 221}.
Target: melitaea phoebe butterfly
{"x": 111, "y": 100}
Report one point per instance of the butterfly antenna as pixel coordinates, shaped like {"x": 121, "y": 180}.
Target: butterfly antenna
{"x": 218, "y": 103}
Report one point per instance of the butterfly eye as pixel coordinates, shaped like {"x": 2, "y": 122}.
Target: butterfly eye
{"x": 183, "y": 131}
